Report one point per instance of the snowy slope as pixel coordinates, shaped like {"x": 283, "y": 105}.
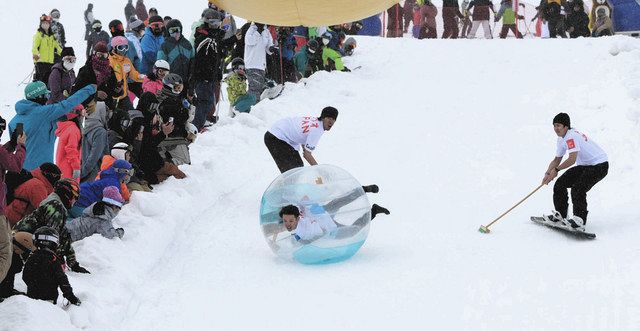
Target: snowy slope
{"x": 454, "y": 132}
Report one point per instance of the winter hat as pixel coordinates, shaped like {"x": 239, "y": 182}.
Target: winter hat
{"x": 562, "y": 118}
{"x": 174, "y": 24}
{"x": 111, "y": 195}
{"x": 329, "y": 112}
{"x": 51, "y": 172}
{"x": 101, "y": 47}
{"x": 116, "y": 28}
{"x": 96, "y": 24}
{"x": 67, "y": 189}
{"x": 119, "y": 151}
{"x": 67, "y": 51}
{"x": 119, "y": 41}
{"x": 35, "y": 89}
{"x": 155, "y": 19}
{"x": 135, "y": 23}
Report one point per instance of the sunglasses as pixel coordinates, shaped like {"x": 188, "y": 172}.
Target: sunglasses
{"x": 156, "y": 25}
{"x": 102, "y": 55}
{"x": 174, "y": 29}
{"x": 122, "y": 48}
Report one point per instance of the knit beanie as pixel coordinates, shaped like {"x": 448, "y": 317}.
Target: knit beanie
{"x": 51, "y": 172}
{"x": 101, "y": 47}
{"x": 111, "y": 195}
{"x": 67, "y": 51}
{"x": 329, "y": 112}
{"x": 562, "y": 118}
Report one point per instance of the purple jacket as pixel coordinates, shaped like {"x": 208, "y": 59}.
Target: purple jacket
{"x": 9, "y": 162}
{"x": 60, "y": 80}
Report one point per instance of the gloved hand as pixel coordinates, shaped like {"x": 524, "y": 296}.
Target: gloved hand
{"x": 120, "y": 232}
{"x": 345, "y": 69}
{"x": 73, "y": 299}
{"x": 77, "y": 268}
{"x": 76, "y": 173}
{"x": 102, "y": 95}
{"x": 36, "y": 57}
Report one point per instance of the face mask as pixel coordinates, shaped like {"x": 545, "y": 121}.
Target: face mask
{"x": 97, "y": 30}
{"x": 68, "y": 65}
{"x": 45, "y": 26}
{"x": 176, "y": 35}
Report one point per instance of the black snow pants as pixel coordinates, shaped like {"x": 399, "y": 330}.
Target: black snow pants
{"x": 286, "y": 157}
{"x": 580, "y": 179}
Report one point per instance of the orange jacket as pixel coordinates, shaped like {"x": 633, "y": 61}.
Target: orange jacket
{"x": 124, "y": 69}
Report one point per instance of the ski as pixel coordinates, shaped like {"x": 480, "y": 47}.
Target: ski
{"x": 579, "y": 234}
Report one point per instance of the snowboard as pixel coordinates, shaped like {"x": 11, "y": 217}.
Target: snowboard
{"x": 559, "y": 227}
{"x": 272, "y": 93}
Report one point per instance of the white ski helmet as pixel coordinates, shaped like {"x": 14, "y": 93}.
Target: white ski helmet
{"x": 162, "y": 64}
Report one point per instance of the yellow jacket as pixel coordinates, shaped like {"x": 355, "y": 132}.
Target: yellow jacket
{"x": 124, "y": 69}
{"x": 45, "y": 46}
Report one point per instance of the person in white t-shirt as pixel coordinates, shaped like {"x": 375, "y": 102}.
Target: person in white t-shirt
{"x": 591, "y": 167}
{"x": 288, "y": 135}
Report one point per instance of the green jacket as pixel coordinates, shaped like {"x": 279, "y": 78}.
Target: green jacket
{"x": 300, "y": 60}
{"x": 236, "y": 87}
{"x": 52, "y": 213}
{"x": 335, "y": 57}
{"x": 45, "y": 45}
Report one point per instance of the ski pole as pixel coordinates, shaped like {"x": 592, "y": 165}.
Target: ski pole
{"x": 29, "y": 76}
{"x": 485, "y": 228}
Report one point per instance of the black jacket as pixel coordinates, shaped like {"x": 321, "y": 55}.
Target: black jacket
{"x": 43, "y": 274}
{"x": 209, "y": 49}
{"x": 579, "y": 21}
{"x": 86, "y": 76}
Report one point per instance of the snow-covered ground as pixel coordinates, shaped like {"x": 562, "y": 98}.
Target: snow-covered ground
{"x": 453, "y": 131}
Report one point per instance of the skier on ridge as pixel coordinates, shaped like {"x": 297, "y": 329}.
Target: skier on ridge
{"x": 591, "y": 166}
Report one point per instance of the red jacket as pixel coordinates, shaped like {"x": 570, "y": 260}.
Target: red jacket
{"x": 28, "y": 197}
{"x": 68, "y": 154}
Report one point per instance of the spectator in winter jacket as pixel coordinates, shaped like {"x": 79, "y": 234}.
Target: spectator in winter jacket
{"x": 309, "y": 59}
{"x": 124, "y": 70}
{"x": 418, "y": 22}
{"x": 156, "y": 169}
{"x": 603, "y": 25}
{"x": 394, "y": 22}
{"x": 141, "y": 11}
{"x": 177, "y": 50}
{"x": 480, "y": 16}
{"x": 577, "y": 22}
{"x": 88, "y": 21}
{"x": 117, "y": 30}
{"x": 551, "y": 11}
{"x": 62, "y": 76}
{"x": 237, "y": 87}
{"x": 40, "y": 120}
{"x": 407, "y": 14}
{"x": 43, "y": 272}
{"x": 134, "y": 33}
{"x": 94, "y": 142}
{"x": 97, "y": 70}
{"x": 153, "y": 82}
{"x": 57, "y": 28}
{"x": 97, "y": 217}
{"x": 129, "y": 10}
{"x": 150, "y": 43}
{"x": 429, "y": 12}
{"x": 120, "y": 151}
{"x": 45, "y": 48}
{"x": 207, "y": 64}
{"x": 69, "y": 144}
{"x": 95, "y": 36}
{"x": 11, "y": 159}
{"x": 332, "y": 60}
{"x": 450, "y": 10}
{"x": 28, "y": 196}
{"x": 256, "y": 46}
{"x": 508, "y": 19}
{"x": 52, "y": 212}
{"x": 119, "y": 173}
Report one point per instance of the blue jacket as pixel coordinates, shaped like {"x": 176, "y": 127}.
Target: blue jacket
{"x": 40, "y": 123}
{"x": 150, "y": 45}
{"x": 179, "y": 54}
{"x": 91, "y": 192}
{"x": 371, "y": 26}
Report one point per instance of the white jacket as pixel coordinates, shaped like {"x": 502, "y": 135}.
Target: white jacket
{"x": 256, "y": 47}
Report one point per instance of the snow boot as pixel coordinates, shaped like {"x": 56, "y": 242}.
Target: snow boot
{"x": 554, "y": 218}
{"x": 371, "y": 188}
{"x": 375, "y": 210}
{"x": 576, "y": 223}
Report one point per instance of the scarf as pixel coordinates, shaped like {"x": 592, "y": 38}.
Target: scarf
{"x": 101, "y": 68}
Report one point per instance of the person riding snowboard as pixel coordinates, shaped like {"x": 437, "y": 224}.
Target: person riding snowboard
{"x": 591, "y": 167}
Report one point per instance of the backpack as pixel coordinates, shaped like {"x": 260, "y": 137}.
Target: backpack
{"x": 13, "y": 180}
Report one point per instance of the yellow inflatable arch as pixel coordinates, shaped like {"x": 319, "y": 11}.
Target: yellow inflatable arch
{"x": 304, "y": 12}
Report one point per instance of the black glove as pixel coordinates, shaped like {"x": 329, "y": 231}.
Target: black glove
{"x": 73, "y": 299}
{"x": 120, "y": 232}
{"x": 345, "y": 69}
{"x": 77, "y": 268}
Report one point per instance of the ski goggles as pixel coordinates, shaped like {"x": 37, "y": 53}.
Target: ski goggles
{"x": 55, "y": 15}
{"x": 122, "y": 48}
{"x": 174, "y": 30}
{"x": 96, "y": 26}
{"x": 177, "y": 88}
{"x": 102, "y": 55}
{"x": 127, "y": 172}
{"x": 214, "y": 22}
